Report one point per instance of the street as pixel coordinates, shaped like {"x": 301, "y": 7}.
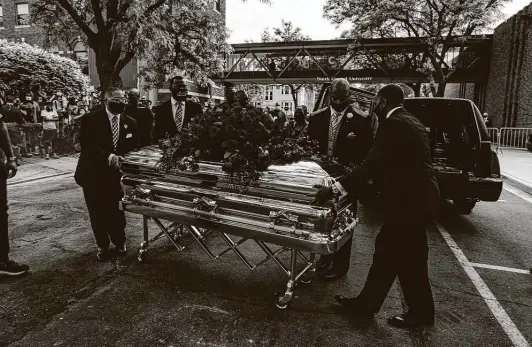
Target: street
{"x": 186, "y": 299}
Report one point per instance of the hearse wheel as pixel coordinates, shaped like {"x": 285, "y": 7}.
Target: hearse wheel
{"x": 464, "y": 206}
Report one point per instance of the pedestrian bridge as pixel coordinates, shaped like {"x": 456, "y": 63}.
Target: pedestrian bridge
{"x": 365, "y": 61}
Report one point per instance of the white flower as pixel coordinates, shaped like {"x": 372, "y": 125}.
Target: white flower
{"x": 349, "y": 115}
{"x": 125, "y": 126}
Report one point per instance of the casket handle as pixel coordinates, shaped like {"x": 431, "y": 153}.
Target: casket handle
{"x": 205, "y": 203}
{"x": 277, "y": 216}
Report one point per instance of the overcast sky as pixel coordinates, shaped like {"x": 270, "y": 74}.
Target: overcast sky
{"x": 247, "y": 20}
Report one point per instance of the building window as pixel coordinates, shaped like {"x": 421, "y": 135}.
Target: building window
{"x": 287, "y": 106}
{"x": 285, "y": 90}
{"x": 218, "y": 5}
{"x": 1, "y": 17}
{"x": 23, "y": 14}
{"x": 268, "y": 94}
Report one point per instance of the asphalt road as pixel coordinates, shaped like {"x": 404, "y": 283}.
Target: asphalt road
{"x": 186, "y": 299}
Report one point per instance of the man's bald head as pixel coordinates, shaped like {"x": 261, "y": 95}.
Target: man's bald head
{"x": 340, "y": 92}
{"x": 133, "y": 96}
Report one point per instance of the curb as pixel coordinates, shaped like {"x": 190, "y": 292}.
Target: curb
{"x": 40, "y": 178}
{"x": 514, "y": 181}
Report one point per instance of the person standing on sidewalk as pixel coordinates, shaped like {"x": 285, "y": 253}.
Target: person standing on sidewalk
{"x": 49, "y": 131}
{"x": 8, "y": 170}
{"x": 106, "y": 135}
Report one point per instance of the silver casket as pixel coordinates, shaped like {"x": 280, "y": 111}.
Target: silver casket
{"x": 277, "y": 210}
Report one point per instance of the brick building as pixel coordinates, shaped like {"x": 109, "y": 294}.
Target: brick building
{"x": 509, "y": 90}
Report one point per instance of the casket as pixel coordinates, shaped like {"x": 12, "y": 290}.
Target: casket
{"x": 277, "y": 210}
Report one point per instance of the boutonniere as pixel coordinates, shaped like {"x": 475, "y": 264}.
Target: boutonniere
{"x": 125, "y": 126}
{"x": 349, "y": 115}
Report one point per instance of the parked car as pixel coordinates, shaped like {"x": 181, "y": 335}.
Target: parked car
{"x": 466, "y": 167}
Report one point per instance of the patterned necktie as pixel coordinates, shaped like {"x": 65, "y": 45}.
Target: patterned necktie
{"x": 333, "y": 131}
{"x": 178, "y": 117}
{"x": 115, "y": 131}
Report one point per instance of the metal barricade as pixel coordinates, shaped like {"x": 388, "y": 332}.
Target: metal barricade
{"x": 495, "y": 137}
{"x": 514, "y": 137}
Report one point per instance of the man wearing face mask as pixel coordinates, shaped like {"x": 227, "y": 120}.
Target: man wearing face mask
{"x": 173, "y": 115}
{"x": 106, "y": 135}
{"x": 400, "y": 160}
{"x": 343, "y": 132}
{"x": 142, "y": 115}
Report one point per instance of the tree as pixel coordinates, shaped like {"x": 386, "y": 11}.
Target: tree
{"x": 286, "y": 33}
{"x": 22, "y": 66}
{"x": 117, "y": 30}
{"x": 434, "y": 22}
{"x": 192, "y": 42}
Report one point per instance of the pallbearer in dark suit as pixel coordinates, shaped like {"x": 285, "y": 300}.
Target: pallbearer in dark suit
{"x": 173, "y": 115}
{"x": 105, "y": 136}
{"x": 346, "y": 133}
{"x": 401, "y": 161}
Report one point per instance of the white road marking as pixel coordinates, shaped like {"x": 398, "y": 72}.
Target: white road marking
{"x": 517, "y": 192}
{"x": 495, "y": 307}
{"x": 501, "y": 268}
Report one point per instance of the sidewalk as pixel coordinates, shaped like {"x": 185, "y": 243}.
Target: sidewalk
{"x": 516, "y": 167}
{"x": 32, "y": 169}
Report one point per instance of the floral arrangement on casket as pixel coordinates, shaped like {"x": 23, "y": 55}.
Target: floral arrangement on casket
{"x": 238, "y": 138}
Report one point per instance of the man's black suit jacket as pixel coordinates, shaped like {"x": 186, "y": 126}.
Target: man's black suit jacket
{"x": 164, "y": 118}
{"x": 400, "y": 162}
{"x": 96, "y": 140}
{"x": 355, "y": 136}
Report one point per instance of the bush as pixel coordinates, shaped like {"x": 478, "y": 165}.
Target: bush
{"x": 22, "y": 65}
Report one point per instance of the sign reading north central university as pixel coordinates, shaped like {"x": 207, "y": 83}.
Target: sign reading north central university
{"x": 350, "y": 79}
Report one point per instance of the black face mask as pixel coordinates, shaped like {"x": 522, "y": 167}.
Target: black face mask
{"x": 116, "y": 107}
{"x": 340, "y": 107}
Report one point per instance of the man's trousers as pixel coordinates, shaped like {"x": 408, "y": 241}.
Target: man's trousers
{"x": 107, "y": 220}
{"x": 401, "y": 251}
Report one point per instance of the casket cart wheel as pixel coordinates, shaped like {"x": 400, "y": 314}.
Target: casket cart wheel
{"x": 307, "y": 279}
{"x": 282, "y": 300}
{"x": 142, "y": 254}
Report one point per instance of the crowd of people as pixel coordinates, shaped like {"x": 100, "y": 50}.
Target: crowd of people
{"x": 36, "y": 120}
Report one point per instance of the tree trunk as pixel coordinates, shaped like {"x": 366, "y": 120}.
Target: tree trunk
{"x": 294, "y": 95}
{"x": 106, "y": 64}
{"x": 107, "y": 72}
{"x": 441, "y": 90}
{"x": 416, "y": 87}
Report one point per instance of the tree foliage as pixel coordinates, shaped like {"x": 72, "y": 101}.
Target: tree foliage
{"x": 287, "y": 32}
{"x": 192, "y": 42}
{"x": 434, "y": 22}
{"x": 22, "y": 65}
{"x": 120, "y": 30}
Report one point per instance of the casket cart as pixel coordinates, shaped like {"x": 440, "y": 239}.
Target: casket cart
{"x": 276, "y": 211}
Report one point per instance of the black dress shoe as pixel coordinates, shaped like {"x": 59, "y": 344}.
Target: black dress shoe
{"x": 353, "y": 306}
{"x": 405, "y": 321}
{"x": 330, "y": 275}
{"x": 103, "y": 254}
{"x": 121, "y": 252}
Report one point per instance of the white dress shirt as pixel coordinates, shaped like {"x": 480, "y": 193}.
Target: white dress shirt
{"x": 337, "y": 184}
{"x": 111, "y": 116}
{"x": 175, "y": 103}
